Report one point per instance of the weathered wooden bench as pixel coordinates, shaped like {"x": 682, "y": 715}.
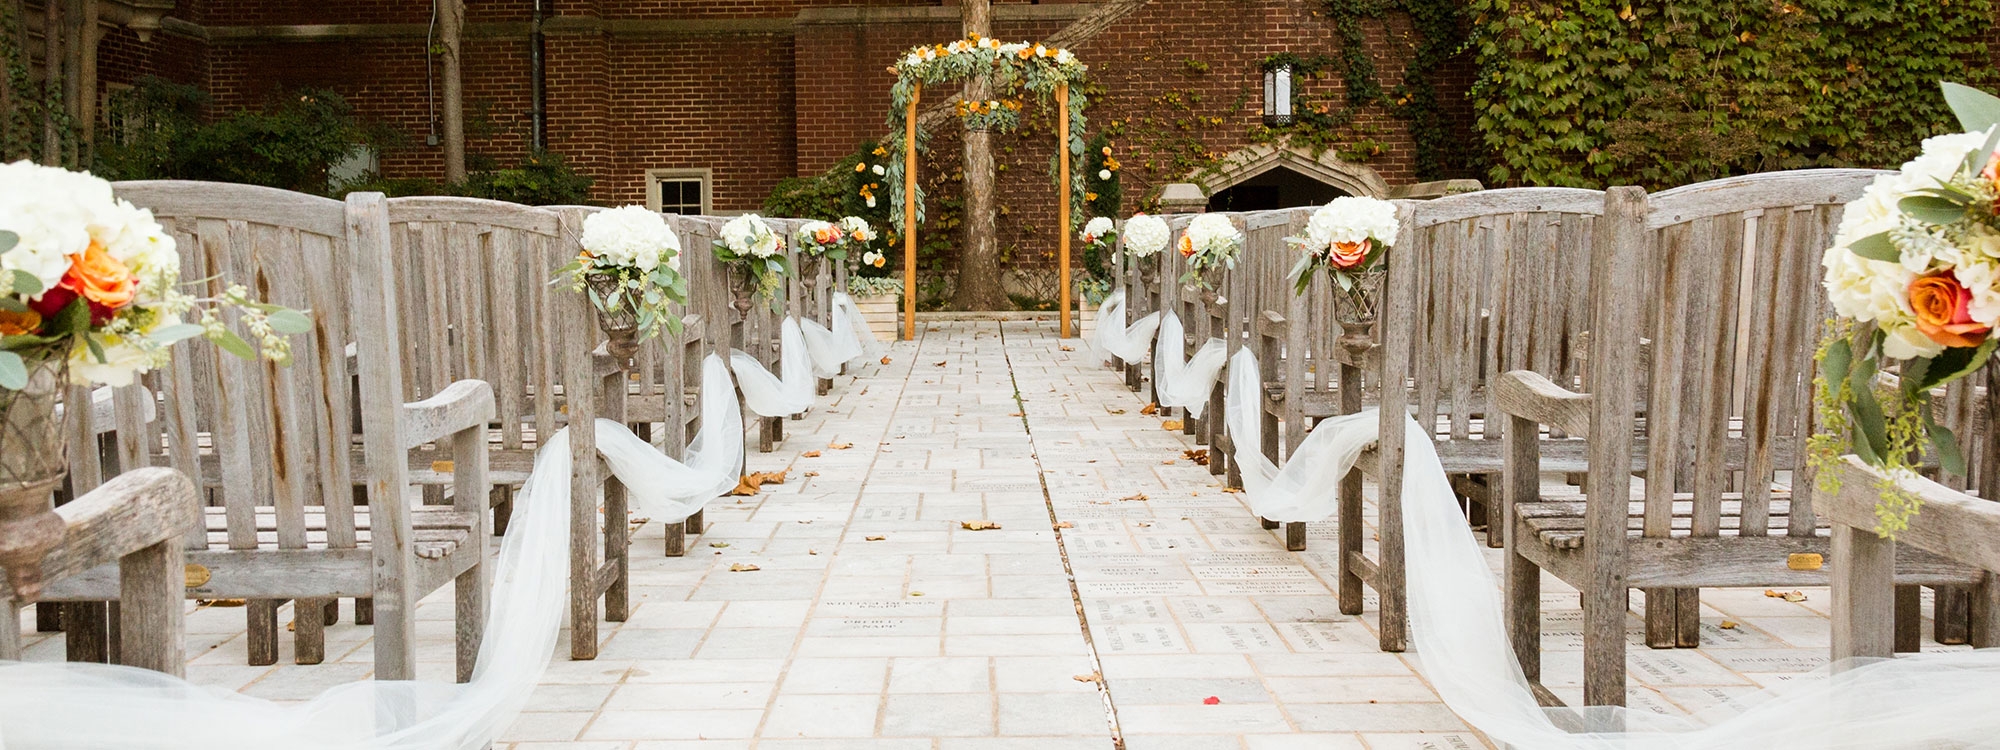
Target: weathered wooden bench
{"x": 1866, "y": 567}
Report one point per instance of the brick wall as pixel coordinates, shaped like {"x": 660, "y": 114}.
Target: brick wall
{"x": 760, "y": 90}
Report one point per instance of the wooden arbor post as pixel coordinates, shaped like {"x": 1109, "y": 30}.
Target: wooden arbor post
{"x": 1062, "y": 205}
{"x": 910, "y": 215}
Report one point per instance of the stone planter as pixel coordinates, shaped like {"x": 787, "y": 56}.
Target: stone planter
{"x": 883, "y": 314}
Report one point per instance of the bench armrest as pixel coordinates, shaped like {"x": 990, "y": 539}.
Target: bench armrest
{"x": 1530, "y": 395}
{"x": 133, "y": 511}
{"x": 1271, "y": 325}
{"x": 461, "y": 406}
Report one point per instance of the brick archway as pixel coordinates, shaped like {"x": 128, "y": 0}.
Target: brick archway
{"x": 1240, "y": 166}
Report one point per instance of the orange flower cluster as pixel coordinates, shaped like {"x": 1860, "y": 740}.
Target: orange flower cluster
{"x": 979, "y": 108}
{"x": 104, "y": 282}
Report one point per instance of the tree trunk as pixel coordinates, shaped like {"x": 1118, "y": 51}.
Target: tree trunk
{"x": 981, "y": 283}
{"x": 451, "y": 25}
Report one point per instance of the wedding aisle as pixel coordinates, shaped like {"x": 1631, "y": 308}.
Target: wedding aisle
{"x": 865, "y": 603}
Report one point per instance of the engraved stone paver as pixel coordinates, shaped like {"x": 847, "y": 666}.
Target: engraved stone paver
{"x": 876, "y": 621}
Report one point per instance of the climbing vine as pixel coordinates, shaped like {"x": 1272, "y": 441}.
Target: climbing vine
{"x": 1596, "y": 92}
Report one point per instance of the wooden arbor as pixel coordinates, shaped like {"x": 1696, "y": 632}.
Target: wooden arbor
{"x": 1035, "y": 68}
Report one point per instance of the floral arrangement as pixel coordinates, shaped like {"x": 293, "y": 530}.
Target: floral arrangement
{"x": 1914, "y": 279}
{"x": 1100, "y": 237}
{"x": 1036, "y": 69}
{"x": 874, "y": 286}
{"x": 834, "y": 240}
{"x": 89, "y": 282}
{"x": 1146, "y": 235}
{"x": 631, "y": 263}
{"x": 1347, "y": 237}
{"x": 1211, "y": 241}
{"x": 749, "y": 245}
{"x": 1099, "y": 231}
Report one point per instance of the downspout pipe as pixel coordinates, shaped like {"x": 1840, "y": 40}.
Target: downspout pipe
{"x": 538, "y": 115}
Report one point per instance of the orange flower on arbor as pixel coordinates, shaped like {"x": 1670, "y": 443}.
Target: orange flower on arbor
{"x": 103, "y": 280}
{"x": 1941, "y": 304}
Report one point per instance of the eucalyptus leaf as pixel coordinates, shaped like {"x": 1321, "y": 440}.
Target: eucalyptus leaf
{"x": 1932, "y": 209}
{"x": 290, "y": 322}
{"x": 228, "y": 341}
{"x": 13, "y": 305}
{"x": 1871, "y": 430}
{"x": 176, "y": 332}
{"x": 8, "y": 240}
{"x": 1976, "y": 110}
{"x": 1949, "y": 456}
{"x": 13, "y": 371}
{"x": 1839, "y": 357}
{"x": 1951, "y": 364}
{"x": 1877, "y": 247}
{"x": 96, "y": 349}
{"x": 26, "y": 284}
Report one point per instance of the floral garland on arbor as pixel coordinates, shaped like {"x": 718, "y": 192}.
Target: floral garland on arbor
{"x": 1013, "y": 66}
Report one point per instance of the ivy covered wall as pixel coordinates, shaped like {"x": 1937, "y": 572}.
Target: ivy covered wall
{"x": 1597, "y": 92}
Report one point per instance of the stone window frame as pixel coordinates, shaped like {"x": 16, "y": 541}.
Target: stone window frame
{"x": 704, "y": 175}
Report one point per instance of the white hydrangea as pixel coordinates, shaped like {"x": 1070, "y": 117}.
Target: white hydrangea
{"x": 1214, "y": 234}
{"x": 1351, "y": 219}
{"x": 51, "y": 210}
{"x": 1096, "y": 228}
{"x": 632, "y": 236}
{"x": 1145, "y": 235}
{"x": 857, "y": 228}
{"x": 748, "y": 235}
{"x": 1866, "y": 290}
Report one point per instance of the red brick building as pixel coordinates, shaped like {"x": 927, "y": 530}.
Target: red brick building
{"x": 723, "y": 98}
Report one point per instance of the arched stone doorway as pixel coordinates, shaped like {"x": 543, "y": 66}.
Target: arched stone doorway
{"x": 1267, "y": 177}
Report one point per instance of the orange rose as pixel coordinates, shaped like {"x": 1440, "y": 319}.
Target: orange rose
{"x": 18, "y": 323}
{"x": 1940, "y": 303}
{"x": 1187, "y": 246}
{"x": 100, "y": 278}
{"x": 1992, "y": 171}
{"x": 1348, "y": 255}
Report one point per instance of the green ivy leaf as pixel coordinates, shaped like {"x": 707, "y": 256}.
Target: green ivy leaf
{"x": 1877, "y": 247}
{"x": 1976, "y": 110}
{"x": 13, "y": 371}
{"x": 1932, "y": 209}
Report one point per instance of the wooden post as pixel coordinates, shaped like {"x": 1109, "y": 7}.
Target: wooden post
{"x": 1062, "y": 204}
{"x": 910, "y": 216}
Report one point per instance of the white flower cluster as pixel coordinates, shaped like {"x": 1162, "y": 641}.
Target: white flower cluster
{"x": 58, "y": 213}
{"x": 1212, "y": 239}
{"x": 1024, "y": 50}
{"x": 749, "y": 236}
{"x": 1878, "y": 291}
{"x": 632, "y": 236}
{"x": 857, "y": 229}
{"x": 1351, "y": 220}
{"x": 1145, "y": 235}
{"x": 1097, "y": 228}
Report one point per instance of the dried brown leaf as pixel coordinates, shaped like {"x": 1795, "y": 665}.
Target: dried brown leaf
{"x": 941, "y": 363}
{"x": 1065, "y": 525}
{"x": 1728, "y": 625}
{"x": 874, "y": 537}
{"x": 718, "y": 545}
{"x": 1198, "y": 455}
{"x": 753, "y": 481}
{"x": 1092, "y": 677}
{"x": 1067, "y": 348}
{"x": 810, "y": 454}
{"x": 1141, "y": 496}
{"x": 742, "y": 567}
{"x": 839, "y": 446}
{"x": 1233, "y": 490}
{"x": 1149, "y": 409}
{"x": 1172, "y": 424}
{"x": 978, "y": 525}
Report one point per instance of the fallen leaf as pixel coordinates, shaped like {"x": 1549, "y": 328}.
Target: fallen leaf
{"x": 1172, "y": 424}
{"x": 292, "y": 627}
{"x": 1168, "y": 462}
{"x": 1092, "y": 677}
{"x": 916, "y": 593}
{"x": 978, "y": 525}
{"x": 810, "y": 454}
{"x": 1065, "y": 525}
{"x": 839, "y": 446}
{"x": 940, "y": 363}
{"x": 1728, "y": 625}
{"x": 1145, "y": 524}
{"x": 812, "y": 474}
{"x": 812, "y": 552}
{"x": 752, "y": 481}
{"x": 1067, "y": 348}
{"x": 1795, "y": 596}
{"x": 1134, "y": 496}
{"x": 718, "y": 545}
{"x": 1114, "y": 411}
{"x": 807, "y": 521}
{"x": 1233, "y": 490}
{"x": 742, "y": 567}
{"x": 1198, "y": 455}
{"x": 1149, "y": 409}
{"x": 1017, "y": 414}
{"x": 885, "y": 360}
{"x": 1211, "y": 701}
{"x": 874, "y": 537}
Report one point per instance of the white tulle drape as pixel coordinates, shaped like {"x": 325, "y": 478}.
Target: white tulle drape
{"x": 1185, "y": 383}
{"x": 806, "y": 351}
{"x": 66, "y": 705}
{"x": 1921, "y": 701}
{"x": 1113, "y": 337}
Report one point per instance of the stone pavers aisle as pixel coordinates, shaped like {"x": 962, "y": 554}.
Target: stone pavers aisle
{"x": 875, "y": 619}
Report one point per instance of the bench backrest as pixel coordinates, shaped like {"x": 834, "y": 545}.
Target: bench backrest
{"x": 282, "y": 436}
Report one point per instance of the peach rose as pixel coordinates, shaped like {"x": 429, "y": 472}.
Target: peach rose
{"x": 18, "y": 323}
{"x": 1940, "y": 302}
{"x": 1348, "y": 255}
{"x": 100, "y": 278}
{"x": 1187, "y": 246}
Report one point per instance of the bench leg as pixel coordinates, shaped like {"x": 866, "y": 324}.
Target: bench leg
{"x": 1268, "y": 524}
{"x": 48, "y": 617}
{"x": 332, "y": 616}
{"x": 695, "y": 523}
{"x": 1985, "y": 613}
{"x": 1952, "y": 623}
{"x": 364, "y": 611}
{"x": 677, "y": 539}
{"x": 1687, "y": 618}
{"x": 1349, "y": 535}
{"x": 262, "y": 631}
{"x": 1604, "y": 647}
{"x": 469, "y": 610}
{"x": 503, "y": 509}
{"x": 309, "y": 631}
{"x": 1523, "y": 592}
{"x": 1909, "y": 637}
{"x": 1295, "y": 536}
{"x": 87, "y": 632}
{"x": 1662, "y": 630}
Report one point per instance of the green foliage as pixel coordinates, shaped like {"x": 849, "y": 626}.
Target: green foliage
{"x": 1596, "y": 92}
{"x": 1104, "y": 197}
{"x": 290, "y": 143}
{"x": 540, "y": 179}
